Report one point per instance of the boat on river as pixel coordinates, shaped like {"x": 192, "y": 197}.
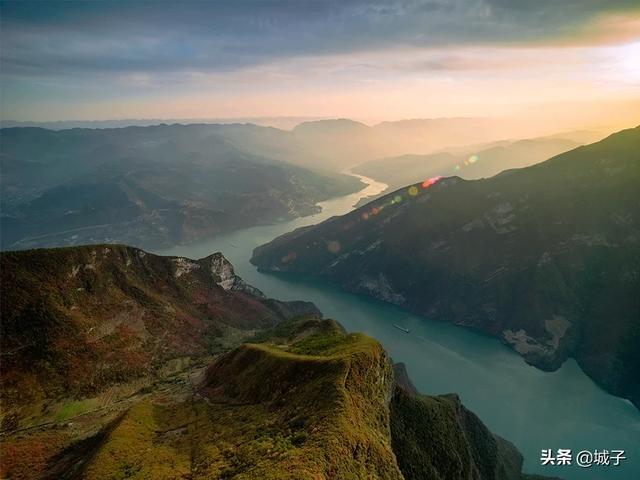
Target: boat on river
{"x": 405, "y": 330}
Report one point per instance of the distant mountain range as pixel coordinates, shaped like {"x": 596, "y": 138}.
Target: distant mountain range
{"x": 157, "y": 186}
{"x": 546, "y": 258}
{"x": 285, "y": 123}
{"x": 472, "y": 164}
{"x": 118, "y": 363}
{"x": 148, "y": 186}
{"x": 338, "y": 144}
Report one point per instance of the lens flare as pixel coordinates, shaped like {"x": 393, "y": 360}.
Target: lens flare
{"x": 333, "y": 246}
{"x": 473, "y": 159}
{"x": 413, "y": 191}
{"x": 289, "y": 257}
{"x": 430, "y": 181}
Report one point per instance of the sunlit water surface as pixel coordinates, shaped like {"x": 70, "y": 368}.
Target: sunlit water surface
{"x": 531, "y": 408}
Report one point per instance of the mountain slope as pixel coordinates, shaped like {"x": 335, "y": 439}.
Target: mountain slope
{"x": 473, "y": 164}
{"x": 312, "y": 402}
{"x": 122, "y": 364}
{"x": 76, "y": 321}
{"x": 547, "y": 258}
{"x": 341, "y": 143}
{"x": 148, "y": 186}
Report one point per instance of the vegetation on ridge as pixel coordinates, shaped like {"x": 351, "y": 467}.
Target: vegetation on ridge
{"x": 303, "y": 399}
{"x": 309, "y": 402}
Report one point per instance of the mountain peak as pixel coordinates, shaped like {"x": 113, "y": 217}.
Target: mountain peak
{"x": 331, "y": 126}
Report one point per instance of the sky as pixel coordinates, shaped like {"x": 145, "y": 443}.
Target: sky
{"x": 570, "y": 60}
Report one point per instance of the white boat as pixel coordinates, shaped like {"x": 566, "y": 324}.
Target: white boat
{"x": 405, "y": 330}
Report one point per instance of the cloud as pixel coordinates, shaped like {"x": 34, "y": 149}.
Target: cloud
{"x": 262, "y": 56}
{"x": 114, "y": 37}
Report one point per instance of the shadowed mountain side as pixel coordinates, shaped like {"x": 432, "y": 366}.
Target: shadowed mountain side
{"x": 546, "y": 258}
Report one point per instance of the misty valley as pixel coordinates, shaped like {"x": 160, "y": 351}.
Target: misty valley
{"x": 318, "y": 240}
{"x": 148, "y": 329}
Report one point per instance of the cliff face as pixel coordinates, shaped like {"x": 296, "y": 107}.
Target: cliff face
{"x": 546, "y": 258}
{"x": 438, "y": 438}
{"x": 76, "y": 321}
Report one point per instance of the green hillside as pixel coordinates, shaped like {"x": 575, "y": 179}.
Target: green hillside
{"x": 314, "y": 403}
{"x": 122, "y": 364}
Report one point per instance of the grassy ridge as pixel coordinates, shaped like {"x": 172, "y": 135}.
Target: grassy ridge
{"x": 311, "y": 402}
{"x": 78, "y": 320}
{"x": 266, "y": 412}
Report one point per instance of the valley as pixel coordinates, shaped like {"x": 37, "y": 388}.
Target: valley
{"x": 319, "y": 240}
{"x": 500, "y": 256}
{"x": 515, "y": 400}
{"x": 148, "y": 186}
{"x": 487, "y": 374}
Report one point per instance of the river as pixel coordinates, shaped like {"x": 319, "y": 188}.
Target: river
{"x": 533, "y": 409}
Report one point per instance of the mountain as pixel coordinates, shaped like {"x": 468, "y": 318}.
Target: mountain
{"x": 472, "y": 164}
{"x": 76, "y": 321}
{"x": 546, "y": 258}
{"x": 437, "y": 437}
{"x": 285, "y": 123}
{"x": 429, "y": 135}
{"x": 432, "y": 134}
{"x": 316, "y": 404}
{"x": 149, "y": 186}
{"x": 342, "y": 143}
{"x": 302, "y": 399}
{"x": 338, "y": 126}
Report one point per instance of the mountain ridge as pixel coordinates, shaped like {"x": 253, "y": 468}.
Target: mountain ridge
{"x": 476, "y": 163}
{"x": 545, "y": 257}
{"x": 280, "y": 393}
{"x": 68, "y": 310}
{"x": 148, "y": 186}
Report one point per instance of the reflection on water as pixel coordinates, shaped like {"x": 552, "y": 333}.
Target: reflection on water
{"x": 531, "y": 408}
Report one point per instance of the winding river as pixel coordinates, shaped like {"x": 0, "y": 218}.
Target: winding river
{"x": 533, "y": 409}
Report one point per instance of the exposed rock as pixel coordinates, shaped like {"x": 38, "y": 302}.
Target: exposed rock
{"x": 184, "y": 265}
{"x": 226, "y": 277}
{"x": 380, "y": 288}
